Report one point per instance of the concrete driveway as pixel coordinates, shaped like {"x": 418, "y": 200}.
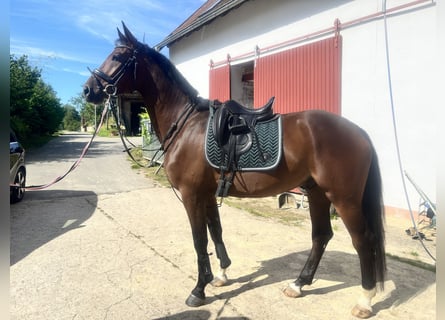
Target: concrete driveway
{"x": 106, "y": 243}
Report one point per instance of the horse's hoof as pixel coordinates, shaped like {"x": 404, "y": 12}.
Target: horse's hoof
{"x": 194, "y": 301}
{"x": 292, "y": 291}
{"x": 219, "y": 281}
{"x": 361, "y": 312}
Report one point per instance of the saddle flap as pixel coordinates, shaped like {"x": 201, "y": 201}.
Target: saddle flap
{"x": 258, "y": 150}
{"x": 220, "y": 126}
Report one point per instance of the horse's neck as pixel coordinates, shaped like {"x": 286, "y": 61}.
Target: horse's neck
{"x": 166, "y": 99}
{"x": 165, "y": 113}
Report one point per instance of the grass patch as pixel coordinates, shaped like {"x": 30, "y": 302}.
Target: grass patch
{"x": 268, "y": 208}
{"x": 412, "y": 262}
{"x": 155, "y": 173}
{"x": 110, "y": 132}
{"x": 158, "y": 175}
{"x": 260, "y": 207}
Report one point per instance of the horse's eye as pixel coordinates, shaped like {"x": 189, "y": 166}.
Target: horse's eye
{"x": 118, "y": 57}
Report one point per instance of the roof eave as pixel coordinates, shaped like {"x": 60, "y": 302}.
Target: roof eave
{"x": 199, "y": 22}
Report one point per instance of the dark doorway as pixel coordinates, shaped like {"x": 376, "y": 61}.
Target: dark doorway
{"x": 241, "y": 83}
{"x": 136, "y": 109}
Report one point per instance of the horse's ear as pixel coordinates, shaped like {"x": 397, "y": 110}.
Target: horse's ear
{"x": 121, "y": 36}
{"x": 129, "y": 36}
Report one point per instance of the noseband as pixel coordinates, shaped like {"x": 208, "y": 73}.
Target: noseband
{"x": 112, "y": 81}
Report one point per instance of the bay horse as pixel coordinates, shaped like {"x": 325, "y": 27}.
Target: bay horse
{"x": 332, "y": 158}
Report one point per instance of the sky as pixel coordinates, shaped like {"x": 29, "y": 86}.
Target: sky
{"x": 64, "y": 37}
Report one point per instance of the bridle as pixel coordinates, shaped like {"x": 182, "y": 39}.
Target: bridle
{"x": 111, "y": 87}
{"x": 110, "y": 90}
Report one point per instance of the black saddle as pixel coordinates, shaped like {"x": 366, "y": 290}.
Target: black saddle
{"x": 262, "y": 113}
{"x": 233, "y": 119}
{"x": 233, "y": 130}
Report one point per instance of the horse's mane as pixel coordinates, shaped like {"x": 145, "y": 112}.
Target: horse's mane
{"x": 169, "y": 69}
{"x": 172, "y": 72}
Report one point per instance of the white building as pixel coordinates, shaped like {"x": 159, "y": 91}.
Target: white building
{"x": 329, "y": 54}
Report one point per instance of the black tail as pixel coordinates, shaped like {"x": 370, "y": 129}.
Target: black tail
{"x": 374, "y": 212}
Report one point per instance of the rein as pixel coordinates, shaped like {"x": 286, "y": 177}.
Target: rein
{"x": 110, "y": 90}
{"x": 174, "y": 130}
{"x": 112, "y": 105}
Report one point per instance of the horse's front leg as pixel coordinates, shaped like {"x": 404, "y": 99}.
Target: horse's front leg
{"x": 205, "y": 276}
{"x": 215, "y": 229}
{"x": 198, "y": 221}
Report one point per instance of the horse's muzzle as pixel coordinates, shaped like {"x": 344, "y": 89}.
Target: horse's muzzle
{"x": 91, "y": 95}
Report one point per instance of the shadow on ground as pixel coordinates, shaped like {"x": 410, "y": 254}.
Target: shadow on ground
{"x": 338, "y": 267}
{"x": 44, "y": 216}
{"x": 196, "y": 315}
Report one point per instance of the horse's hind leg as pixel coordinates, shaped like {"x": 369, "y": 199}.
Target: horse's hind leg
{"x": 215, "y": 229}
{"x": 364, "y": 244}
{"x": 321, "y": 234}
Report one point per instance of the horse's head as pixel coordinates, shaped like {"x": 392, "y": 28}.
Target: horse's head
{"x": 133, "y": 66}
{"x": 117, "y": 74}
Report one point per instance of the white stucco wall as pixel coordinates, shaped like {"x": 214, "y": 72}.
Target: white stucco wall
{"x": 366, "y": 97}
{"x": 365, "y": 90}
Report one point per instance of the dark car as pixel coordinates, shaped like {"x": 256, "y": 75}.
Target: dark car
{"x": 17, "y": 170}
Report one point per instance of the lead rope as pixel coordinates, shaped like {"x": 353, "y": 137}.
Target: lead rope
{"x": 74, "y": 165}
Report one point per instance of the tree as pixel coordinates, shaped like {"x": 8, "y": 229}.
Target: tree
{"x": 22, "y": 81}
{"x": 34, "y": 106}
{"x": 89, "y": 113}
{"x": 71, "y": 120}
{"x": 48, "y": 107}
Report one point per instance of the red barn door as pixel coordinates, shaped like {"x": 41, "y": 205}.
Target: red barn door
{"x": 219, "y": 83}
{"x": 302, "y": 78}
